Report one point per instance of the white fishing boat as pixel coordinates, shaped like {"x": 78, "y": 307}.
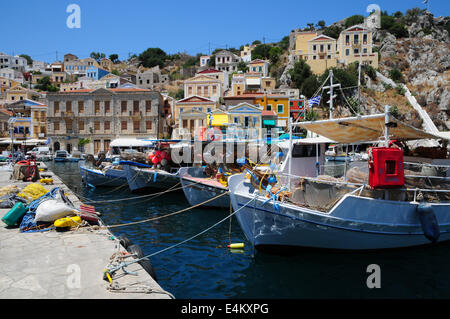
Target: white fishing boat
{"x": 199, "y": 188}
{"x": 110, "y": 176}
{"x": 147, "y": 178}
{"x": 380, "y": 212}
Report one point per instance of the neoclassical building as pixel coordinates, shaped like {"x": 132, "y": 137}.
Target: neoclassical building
{"x": 101, "y": 116}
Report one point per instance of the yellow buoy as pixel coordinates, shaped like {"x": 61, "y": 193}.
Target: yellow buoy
{"x": 46, "y": 180}
{"x": 68, "y": 222}
{"x": 236, "y": 246}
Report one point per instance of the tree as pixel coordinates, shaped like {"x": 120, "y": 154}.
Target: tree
{"x": 387, "y": 22}
{"x": 300, "y": 73}
{"x": 242, "y": 66}
{"x": 399, "y": 30}
{"x": 115, "y": 72}
{"x": 256, "y": 42}
{"x": 396, "y": 75}
{"x": 310, "y": 27}
{"x": 333, "y": 31}
{"x": 261, "y": 51}
{"x": 114, "y": 58}
{"x": 284, "y": 43}
{"x": 321, "y": 24}
{"x": 44, "y": 84}
{"x": 353, "y": 20}
{"x": 212, "y": 61}
{"x": 97, "y": 56}
{"x": 274, "y": 54}
{"x": 153, "y": 57}
{"x": 310, "y": 86}
{"x": 28, "y": 58}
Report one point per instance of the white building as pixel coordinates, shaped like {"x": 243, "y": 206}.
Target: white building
{"x": 13, "y": 62}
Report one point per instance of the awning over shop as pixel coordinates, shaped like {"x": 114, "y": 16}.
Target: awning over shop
{"x": 218, "y": 119}
{"x": 364, "y": 129}
{"x": 269, "y": 122}
{"x": 23, "y": 142}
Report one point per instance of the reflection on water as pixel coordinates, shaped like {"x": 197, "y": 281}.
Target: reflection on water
{"x": 204, "y": 267}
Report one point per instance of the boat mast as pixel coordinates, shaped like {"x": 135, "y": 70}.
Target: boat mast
{"x": 386, "y": 125}
{"x": 331, "y": 86}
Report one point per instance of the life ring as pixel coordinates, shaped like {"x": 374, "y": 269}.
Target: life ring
{"x": 23, "y": 163}
{"x": 144, "y": 262}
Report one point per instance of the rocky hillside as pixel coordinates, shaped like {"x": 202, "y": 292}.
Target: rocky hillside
{"x": 423, "y": 59}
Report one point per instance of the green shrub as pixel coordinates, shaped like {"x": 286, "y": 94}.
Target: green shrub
{"x": 396, "y": 75}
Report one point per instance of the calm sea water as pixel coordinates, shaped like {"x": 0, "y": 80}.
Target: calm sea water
{"x": 204, "y": 267}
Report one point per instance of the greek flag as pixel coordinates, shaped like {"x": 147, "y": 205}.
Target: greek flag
{"x": 314, "y": 101}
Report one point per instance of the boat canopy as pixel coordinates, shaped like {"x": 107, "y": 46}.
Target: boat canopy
{"x": 366, "y": 128}
{"x": 130, "y": 142}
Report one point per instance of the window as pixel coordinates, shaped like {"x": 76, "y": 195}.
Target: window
{"x": 69, "y": 107}
{"x": 355, "y": 51}
{"x": 81, "y": 125}
{"x": 96, "y": 126}
{"x": 68, "y": 126}
{"x": 189, "y": 90}
{"x": 80, "y": 107}
{"x": 107, "y": 125}
{"x": 136, "y": 126}
{"x": 136, "y": 107}
{"x": 269, "y": 107}
{"x": 214, "y": 89}
{"x": 181, "y": 109}
{"x": 56, "y": 107}
{"x": 347, "y": 39}
{"x": 124, "y": 125}
{"x": 148, "y": 125}
{"x": 185, "y": 123}
{"x": 321, "y": 48}
{"x": 365, "y": 38}
{"x": 148, "y": 106}
{"x": 356, "y": 38}
{"x": 329, "y": 47}
{"x": 347, "y": 52}
{"x": 97, "y": 107}
{"x": 107, "y": 107}
{"x": 280, "y": 108}
{"x": 56, "y": 126}
{"x": 123, "y": 106}
{"x": 199, "y": 90}
{"x": 314, "y": 47}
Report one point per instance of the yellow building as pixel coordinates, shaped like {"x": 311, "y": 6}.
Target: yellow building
{"x": 191, "y": 103}
{"x": 30, "y": 119}
{"x": 276, "y": 103}
{"x": 204, "y": 86}
{"x": 6, "y": 84}
{"x": 248, "y": 120}
{"x": 106, "y": 64}
{"x": 301, "y": 42}
{"x": 259, "y": 66}
{"x": 356, "y": 40}
{"x": 322, "y": 54}
{"x": 19, "y": 93}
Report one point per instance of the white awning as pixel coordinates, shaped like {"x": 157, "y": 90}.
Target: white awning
{"x": 253, "y": 81}
{"x": 365, "y": 129}
{"x": 130, "y": 142}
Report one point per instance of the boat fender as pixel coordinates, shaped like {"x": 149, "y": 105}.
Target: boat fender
{"x": 155, "y": 176}
{"x": 124, "y": 241}
{"x": 145, "y": 262}
{"x": 428, "y": 221}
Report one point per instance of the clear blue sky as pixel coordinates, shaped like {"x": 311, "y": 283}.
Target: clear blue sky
{"x": 38, "y": 28}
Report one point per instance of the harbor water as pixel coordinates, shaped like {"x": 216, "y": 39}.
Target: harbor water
{"x": 205, "y": 268}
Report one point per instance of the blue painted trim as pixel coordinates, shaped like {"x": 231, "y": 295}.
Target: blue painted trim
{"x": 337, "y": 227}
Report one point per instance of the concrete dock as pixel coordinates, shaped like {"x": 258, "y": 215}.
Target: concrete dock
{"x": 63, "y": 265}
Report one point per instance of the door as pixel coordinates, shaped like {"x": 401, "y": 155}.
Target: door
{"x": 97, "y": 145}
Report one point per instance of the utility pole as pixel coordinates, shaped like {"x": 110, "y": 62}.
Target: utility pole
{"x": 331, "y": 87}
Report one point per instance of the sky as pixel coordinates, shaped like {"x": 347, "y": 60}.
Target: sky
{"x": 39, "y": 28}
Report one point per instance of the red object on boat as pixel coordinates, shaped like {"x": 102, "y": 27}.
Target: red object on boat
{"x": 386, "y": 168}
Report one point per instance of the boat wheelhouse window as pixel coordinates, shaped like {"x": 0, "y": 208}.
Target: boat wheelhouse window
{"x": 300, "y": 150}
